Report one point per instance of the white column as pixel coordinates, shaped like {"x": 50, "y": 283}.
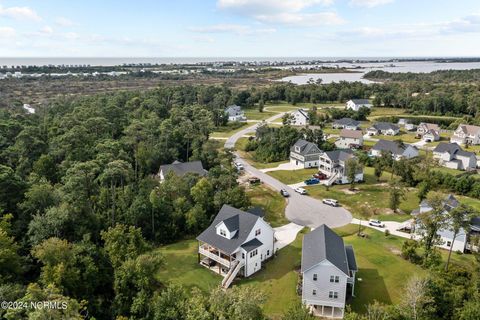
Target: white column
{"x": 333, "y": 311}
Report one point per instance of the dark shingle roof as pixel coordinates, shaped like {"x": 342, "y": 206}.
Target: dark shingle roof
{"x": 251, "y": 245}
{"x": 182, "y": 168}
{"x": 464, "y": 153}
{"x": 352, "y": 262}
{"x": 446, "y": 147}
{"x": 305, "y": 147}
{"x": 305, "y": 114}
{"x": 231, "y": 223}
{"x": 391, "y": 146}
{"x": 347, "y": 122}
{"x": 382, "y": 126}
{"x": 246, "y": 222}
{"x": 258, "y": 211}
{"x": 339, "y": 155}
{"x": 361, "y": 101}
{"x": 324, "y": 244}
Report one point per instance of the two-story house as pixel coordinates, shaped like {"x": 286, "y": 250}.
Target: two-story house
{"x": 237, "y": 242}
{"x": 181, "y": 169}
{"x": 397, "y": 149}
{"x": 304, "y": 154}
{"x": 466, "y": 134}
{"x": 452, "y": 156}
{"x": 385, "y": 128}
{"x": 346, "y": 123}
{"x": 424, "y": 127}
{"x": 431, "y": 136}
{"x": 356, "y": 104}
{"x": 334, "y": 165}
{"x": 328, "y": 272}
{"x": 235, "y": 113}
{"x": 350, "y": 139}
{"x": 300, "y": 118}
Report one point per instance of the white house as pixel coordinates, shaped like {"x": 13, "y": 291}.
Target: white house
{"x": 328, "y": 272}
{"x": 431, "y": 135}
{"x": 304, "y": 154}
{"x": 300, "y": 118}
{"x": 350, "y": 139}
{"x": 181, "y": 168}
{"x": 385, "y": 128}
{"x": 235, "y": 113}
{"x": 236, "y": 242}
{"x": 425, "y": 127}
{"x": 334, "y": 165}
{"x": 356, "y": 104}
{"x": 446, "y": 234}
{"x": 450, "y": 155}
{"x": 397, "y": 149}
{"x": 346, "y": 123}
{"x": 466, "y": 134}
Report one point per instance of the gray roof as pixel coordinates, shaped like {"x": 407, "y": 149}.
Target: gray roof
{"x": 258, "y": 211}
{"x": 390, "y": 146}
{"x": 231, "y": 223}
{"x": 182, "y": 168}
{"x": 382, "y": 126}
{"x": 361, "y": 101}
{"x": 352, "y": 262}
{"x": 305, "y": 114}
{"x": 324, "y": 244}
{"x": 339, "y": 155}
{"x": 446, "y": 147}
{"x": 251, "y": 245}
{"x": 305, "y": 147}
{"x": 464, "y": 153}
{"x": 449, "y": 203}
{"x": 233, "y": 110}
{"x": 246, "y": 222}
{"x": 347, "y": 122}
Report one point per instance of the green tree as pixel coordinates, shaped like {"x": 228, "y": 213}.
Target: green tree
{"x": 397, "y": 194}
{"x": 10, "y": 261}
{"x": 352, "y": 167}
{"x": 458, "y": 219}
{"x": 298, "y": 312}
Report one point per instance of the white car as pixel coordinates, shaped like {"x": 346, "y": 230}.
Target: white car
{"x": 330, "y": 202}
{"x": 239, "y": 166}
{"x": 301, "y": 190}
{"x": 376, "y": 223}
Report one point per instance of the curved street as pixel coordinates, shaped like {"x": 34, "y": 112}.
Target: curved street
{"x": 301, "y": 209}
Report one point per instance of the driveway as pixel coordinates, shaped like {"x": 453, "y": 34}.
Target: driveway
{"x": 302, "y": 210}
{"x": 286, "y": 234}
{"x": 391, "y": 226}
{"x": 284, "y": 166}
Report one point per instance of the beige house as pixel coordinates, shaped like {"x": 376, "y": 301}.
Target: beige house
{"x": 349, "y": 139}
{"x": 466, "y": 134}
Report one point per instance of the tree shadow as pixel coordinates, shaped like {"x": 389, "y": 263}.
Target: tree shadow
{"x": 371, "y": 287}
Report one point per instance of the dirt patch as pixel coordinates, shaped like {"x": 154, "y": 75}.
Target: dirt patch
{"x": 348, "y": 191}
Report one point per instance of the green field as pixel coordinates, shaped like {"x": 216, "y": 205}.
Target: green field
{"x": 272, "y": 203}
{"x": 292, "y": 176}
{"x": 230, "y": 129}
{"x": 253, "y": 114}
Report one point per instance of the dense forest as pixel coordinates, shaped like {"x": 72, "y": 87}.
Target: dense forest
{"x": 439, "y": 76}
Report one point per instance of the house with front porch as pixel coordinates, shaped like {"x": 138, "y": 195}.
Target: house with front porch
{"x": 466, "y": 134}
{"x": 334, "y": 165}
{"x": 328, "y": 272}
{"x": 397, "y": 149}
{"x": 304, "y": 154}
{"x": 236, "y": 243}
{"x": 451, "y": 155}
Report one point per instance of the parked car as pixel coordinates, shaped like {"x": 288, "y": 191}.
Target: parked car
{"x": 301, "y": 190}
{"x": 320, "y": 176}
{"x": 376, "y": 223}
{"x": 312, "y": 181}
{"x": 330, "y": 202}
{"x": 254, "y": 180}
{"x": 239, "y": 166}
{"x": 284, "y": 193}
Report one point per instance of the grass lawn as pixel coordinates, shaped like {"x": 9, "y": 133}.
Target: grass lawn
{"x": 272, "y": 203}
{"x": 230, "y": 129}
{"x": 249, "y": 156}
{"x": 406, "y": 137}
{"x": 254, "y": 114}
{"x": 291, "y": 177}
{"x": 384, "y": 112}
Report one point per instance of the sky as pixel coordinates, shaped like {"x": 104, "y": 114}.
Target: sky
{"x": 239, "y": 28}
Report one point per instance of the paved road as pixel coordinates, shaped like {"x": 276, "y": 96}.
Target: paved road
{"x": 302, "y": 210}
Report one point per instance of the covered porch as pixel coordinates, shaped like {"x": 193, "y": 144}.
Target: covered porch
{"x": 215, "y": 259}
{"x": 327, "y": 311}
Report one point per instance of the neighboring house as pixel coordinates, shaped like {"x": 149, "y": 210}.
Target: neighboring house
{"x": 425, "y": 127}
{"x": 410, "y": 127}
{"x": 385, "y": 128}
{"x": 346, "y": 123}
{"x": 304, "y": 154}
{"x": 350, "y": 139}
{"x": 236, "y": 242}
{"x": 356, "y": 104}
{"x": 235, "y": 113}
{"x": 328, "y": 272}
{"x": 446, "y": 234}
{"x": 334, "y": 165}
{"x": 431, "y": 135}
{"x": 181, "y": 168}
{"x": 395, "y": 148}
{"x": 300, "y": 118}
{"x": 450, "y": 155}
{"x": 466, "y": 134}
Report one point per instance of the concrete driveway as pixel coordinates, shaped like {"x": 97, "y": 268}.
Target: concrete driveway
{"x": 286, "y": 234}
{"x": 302, "y": 210}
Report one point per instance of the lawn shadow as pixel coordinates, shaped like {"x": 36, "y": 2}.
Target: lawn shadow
{"x": 371, "y": 287}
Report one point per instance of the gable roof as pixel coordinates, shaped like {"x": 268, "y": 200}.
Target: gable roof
{"x": 382, "y": 126}
{"x": 429, "y": 126}
{"x": 233, "y": 110}
{"x": 306, "y": 147}
{"x": 442, "y": 147}
{"x": 258, "y": 211}
{"x": 352, "y": 262}
{"x": 324, "y": 244}
{"x": 182, "y": 168}
{"x": 246, "y": 222}
{"x": 303, "y": 113}
{"x": 361, "y": 101}
{"x": 355, "y": 134}
{"x": 347, "y": 122}
{"x": 251, "y": 245}
{"x": 469, "y": 129}
{"x": 231, "y": 223}
{"x": 390, "y": 146}
{"x": 339, "y": 155}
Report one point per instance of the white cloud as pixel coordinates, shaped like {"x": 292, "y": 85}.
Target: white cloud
{"x": 254, "y": 7}
{"x": 64, "y": 22}
{"x": 303, "y": 19}
{"x": 46, "y": 30}
{"x": 369, "y": 3}
{"x": 20, "y": 13}
{"x": 204, "y": 38}
{"x": 231, "y": 28}
{"x": 7, "y": 32}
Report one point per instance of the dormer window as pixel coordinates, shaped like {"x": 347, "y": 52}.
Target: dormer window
{"x": 258, "y": 231}
{"x": 223, "y": 233}
{"x": 297, "y": 149}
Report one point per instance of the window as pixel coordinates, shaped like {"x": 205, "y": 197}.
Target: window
{"x": 333, "y": 295}
{"x": 335, "y": 279}
{"x": 314, "y": 277}
{"x": 223, "y": 233}
{"x": 258, "y": 231}
{"x": 253, "y": 253}
{"x": 243, "y": 255}
{"x": 268, "y": 253}
{"x": 314, "y": 292}
{"x": 449, "y": 243}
